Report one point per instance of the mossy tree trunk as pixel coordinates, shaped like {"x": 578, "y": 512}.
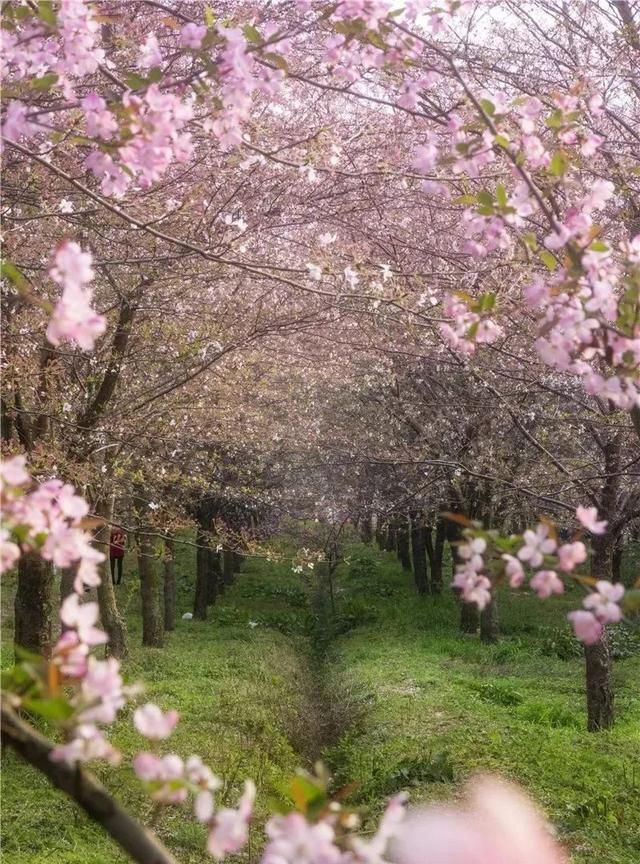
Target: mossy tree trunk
{"x": 202, "y": 555}
{"x": 150, "y": 592}
{"x": 489, "y": 630}
{"x": 33, "y": 605}
{"x": 214, "y": 575}
{"x": 169, "y": 570}
{"x": 600, "y": 708}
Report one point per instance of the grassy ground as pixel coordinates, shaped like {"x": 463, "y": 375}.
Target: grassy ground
{"x": 439, "y": 707}
{"x": 413, "y": 705}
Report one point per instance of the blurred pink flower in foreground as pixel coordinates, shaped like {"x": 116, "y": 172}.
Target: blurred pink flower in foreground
{"x": 498, "y": 825}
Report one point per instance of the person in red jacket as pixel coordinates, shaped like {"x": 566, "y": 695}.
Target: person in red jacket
{"x": 117, "y": 546}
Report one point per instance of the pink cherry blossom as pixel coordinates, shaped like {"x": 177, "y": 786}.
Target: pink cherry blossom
{"x": 373, "y": 851}
{"x": 230, "y": 828}
{"x": 82, "y": 617}
{"x": 514, "y": 571}
{"x": 191, "y": 35}
{"x": 603, "y": 602}
{"x": 570, "y": 555}
{"x": 498, "y": 826}
{"x": 167, "y": 771}
{"x": 9, "y": 551}
{"x": 13, "y": 471}
{"x": 537, "y": 544}
{"x": 545, "y": 583}
{"x": 586, "y": 626}
{"x": 88, "y": 744}
{"x": 475, "y": 587}
{"x": 293, "y": 840}
{"x": 151, "y": 722}
{"x": 588, "y": 516}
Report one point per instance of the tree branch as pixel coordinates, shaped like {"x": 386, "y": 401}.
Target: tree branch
{"x": 85, "y": 790}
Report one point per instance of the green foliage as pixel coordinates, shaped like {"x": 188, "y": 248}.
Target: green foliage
{"x": 498, "y": 693}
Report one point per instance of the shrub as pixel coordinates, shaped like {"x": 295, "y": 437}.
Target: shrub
{"x": 498, "y": 694}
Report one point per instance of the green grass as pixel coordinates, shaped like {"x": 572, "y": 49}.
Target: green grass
{"x": 413, "y": 705}
{"x": 444, "y": 706}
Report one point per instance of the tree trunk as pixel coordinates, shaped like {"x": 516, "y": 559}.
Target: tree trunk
{"x": 436, "y": 564}
{"x": 200, "y": 599}
{"x": 404, "y": 554}
{"x": 214, "y": 575}
{"x": 112, "y": 621}
{"x": 616, "y": 561}
{"x": 152, "y": 613}
{"x": 366, "y": 531}
{"x": 169, "y": 586}
{"x": 392, "y": 539}
{"x": 381, "y": 538}
{"x": 489, "y": 631}
{"x": 600, "y": 713}
{"x": 468, "y": 617}
{"x": 228, "y": 566}
{"x": 419, "y": 553}
{"x": 33, "y": 605}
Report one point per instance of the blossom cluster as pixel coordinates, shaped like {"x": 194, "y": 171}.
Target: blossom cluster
{"x": 74, "y": 319}
{"x": 539, "y": 551}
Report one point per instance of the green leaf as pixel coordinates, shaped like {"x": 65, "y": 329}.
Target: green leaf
{"x": 135, "y": 82}
{"x": 251, "y": 34}
{"x": 57, "y": 709}
{"x": 548, "y": 259}
{"x": 45, "y": 82}
{"x": 501, "y": 195}
{"x": 485, "y": 198}
{"x": 47, "y": 12}
{"x": 465, "y": 199}
{"x": 486, "y": 303}
{"x": 599, "y": 246}
{"x": 8, "y": 270}
{"x": 488, "y": 107}
{"x": 530, "y": 240}
{"x": 155, "y": 75}
{"x": 209, "y": 17}
{"x": 558, "y": 164}
{"x": 277, "y": 60}
{"x": 555, "y": 120}
{"x": 501, "y": 141}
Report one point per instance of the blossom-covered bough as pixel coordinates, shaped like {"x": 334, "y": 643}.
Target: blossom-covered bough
{"x": 113, "y": 105}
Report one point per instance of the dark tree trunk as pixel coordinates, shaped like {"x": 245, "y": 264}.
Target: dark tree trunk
{"x": 404, "y": 554}
{"x": 112, "y": 621}
{"x": 436, "y": 564}
{"x": 67, "y": 577}
{"x": 381, "y": 538}
{"x": 152, "y": 612}
{"x": 169, "y": 586}
{"x": 33, "y": 606}
{"x": 468, "y": 617}
{"x": 228, "y": 566}
{"x": 392, "y": 539}
{"x": 214, "y": 575}
{"x": 616, "y": 561}
{"x": 600, "y": 712}
{"x": 366, "y": 529}
{"x": 238, "y": 559}
{"x": 200, "y": 598}
{"x": 489, "y": 631}
{"x": 419, "y": 553}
